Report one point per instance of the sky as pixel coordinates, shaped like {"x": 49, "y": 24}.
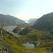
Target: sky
{"x": 26, "y": 9}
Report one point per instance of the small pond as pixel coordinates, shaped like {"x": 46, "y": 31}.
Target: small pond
{"x": 28, "y": 45}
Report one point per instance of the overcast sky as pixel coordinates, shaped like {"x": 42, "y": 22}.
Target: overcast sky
{"x": 26, "y": 9}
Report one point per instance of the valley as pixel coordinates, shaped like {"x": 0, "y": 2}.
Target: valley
{"x": 27, "y": 37}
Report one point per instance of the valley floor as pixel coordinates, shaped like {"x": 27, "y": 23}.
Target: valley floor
{"x": 9, "y": 44}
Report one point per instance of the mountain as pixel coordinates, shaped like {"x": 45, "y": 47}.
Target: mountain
{"x": 32, "y": 21}
{"x": 45, "y": 22}
{"x": 10, "y": 20}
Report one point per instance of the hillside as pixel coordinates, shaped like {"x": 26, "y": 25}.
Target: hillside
{"x": 10, "y": 20}
{"x": 23, "y": 30}
{"x": 45, "y": 22}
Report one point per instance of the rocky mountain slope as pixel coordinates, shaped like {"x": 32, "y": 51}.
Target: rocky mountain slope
{"x": 45, "y": 22}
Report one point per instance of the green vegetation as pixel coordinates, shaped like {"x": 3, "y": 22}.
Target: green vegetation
{"x": 18, "y": 49}
{"x": 15, "y": 44}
